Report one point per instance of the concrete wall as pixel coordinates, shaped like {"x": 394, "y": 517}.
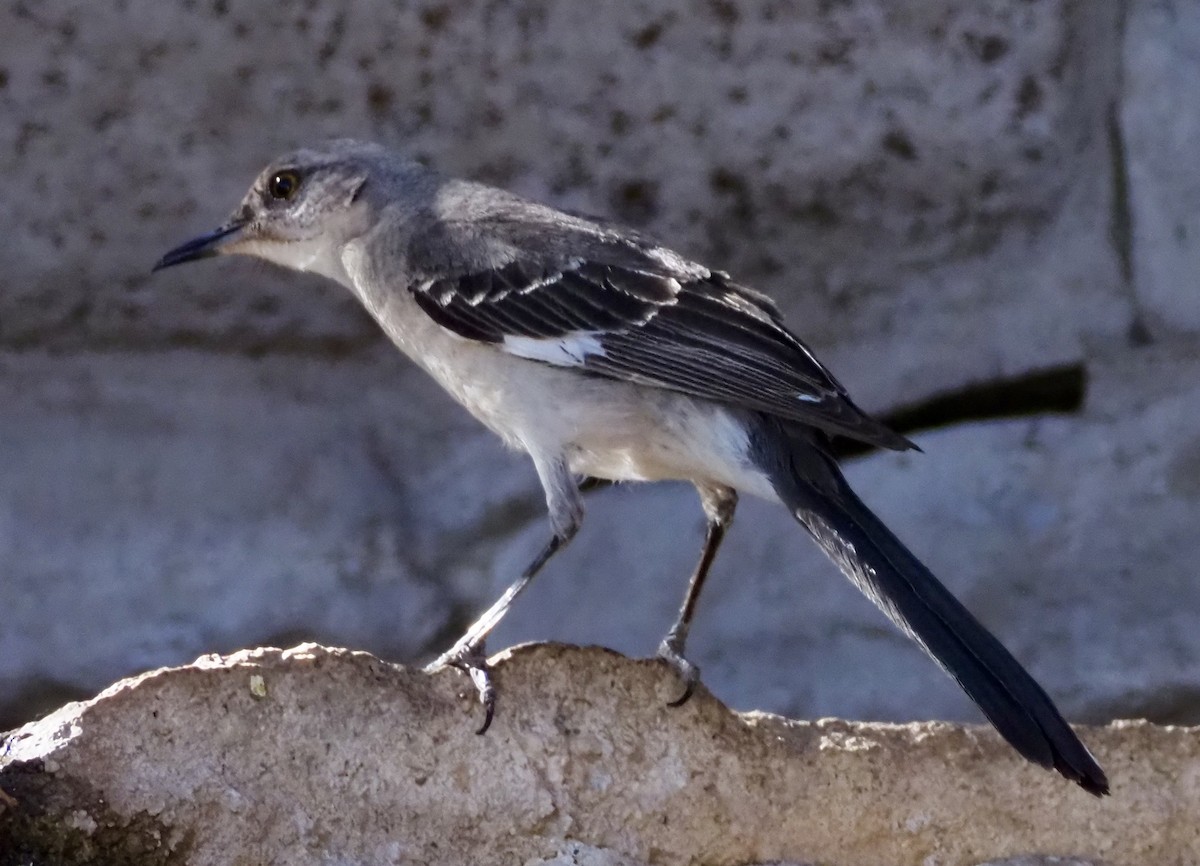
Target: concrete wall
{"x": 944, "y": 196}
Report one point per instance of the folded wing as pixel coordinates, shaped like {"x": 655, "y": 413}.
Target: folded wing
{"x": 701, "y": 335}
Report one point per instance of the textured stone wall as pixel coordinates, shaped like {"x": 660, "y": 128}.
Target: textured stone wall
{"x": 944, "y": 196}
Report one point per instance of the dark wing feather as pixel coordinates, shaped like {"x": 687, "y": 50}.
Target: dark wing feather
{"x": 702, "y": 336}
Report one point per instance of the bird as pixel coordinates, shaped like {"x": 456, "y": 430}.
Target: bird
{"x": 608, "y": 357}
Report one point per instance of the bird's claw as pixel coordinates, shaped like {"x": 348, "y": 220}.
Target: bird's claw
{"x": 471, "y": 660}
{"x": 671, "y": 651}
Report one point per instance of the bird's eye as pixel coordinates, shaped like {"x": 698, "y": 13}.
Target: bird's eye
{"x": 283, "y": 185}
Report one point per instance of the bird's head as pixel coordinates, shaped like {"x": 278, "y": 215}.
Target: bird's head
{"x": 301, "y": 209}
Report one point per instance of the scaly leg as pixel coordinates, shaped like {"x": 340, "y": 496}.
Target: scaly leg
{"x": 467, "y": 654}
{"x": 719, "y": 504}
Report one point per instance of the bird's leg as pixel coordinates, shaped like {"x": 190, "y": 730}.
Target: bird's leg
{"x": 467, "y": 654}
{"x": 719, "y": 504}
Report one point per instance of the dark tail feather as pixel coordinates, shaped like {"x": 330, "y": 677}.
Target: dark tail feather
{"x": 809, "y": 482}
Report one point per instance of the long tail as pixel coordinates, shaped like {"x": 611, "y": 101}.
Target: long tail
{"x": 809, "y": 482}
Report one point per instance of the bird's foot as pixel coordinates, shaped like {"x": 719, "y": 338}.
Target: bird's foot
{"x": 671, "y": 651}
{"x": 471, "y": 660}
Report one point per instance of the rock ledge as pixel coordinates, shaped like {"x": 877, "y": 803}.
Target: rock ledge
{"x": 318, "y": 756}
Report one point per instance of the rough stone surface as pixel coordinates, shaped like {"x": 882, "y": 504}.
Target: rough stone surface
{"x": 941, "y": 194}
{"x": 325, "y": 756}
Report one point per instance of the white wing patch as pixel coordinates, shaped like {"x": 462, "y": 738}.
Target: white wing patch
{"x": 569, "y": 350}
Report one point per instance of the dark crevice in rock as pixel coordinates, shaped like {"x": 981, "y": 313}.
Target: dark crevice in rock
{"x": 1054, "y": 390}
{"x": 1120, "y": 223}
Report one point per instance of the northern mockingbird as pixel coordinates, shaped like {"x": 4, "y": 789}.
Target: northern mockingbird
{"x": 602, "y": 354}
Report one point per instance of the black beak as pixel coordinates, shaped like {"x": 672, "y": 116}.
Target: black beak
{"x": 202, "y": 247}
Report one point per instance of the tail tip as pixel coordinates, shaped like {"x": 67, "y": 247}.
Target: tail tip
{"x": 1085, "y": 773}
{"x": 1095, "y": 783}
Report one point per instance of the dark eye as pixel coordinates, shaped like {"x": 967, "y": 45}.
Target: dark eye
{"x": 283, "y": 185}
